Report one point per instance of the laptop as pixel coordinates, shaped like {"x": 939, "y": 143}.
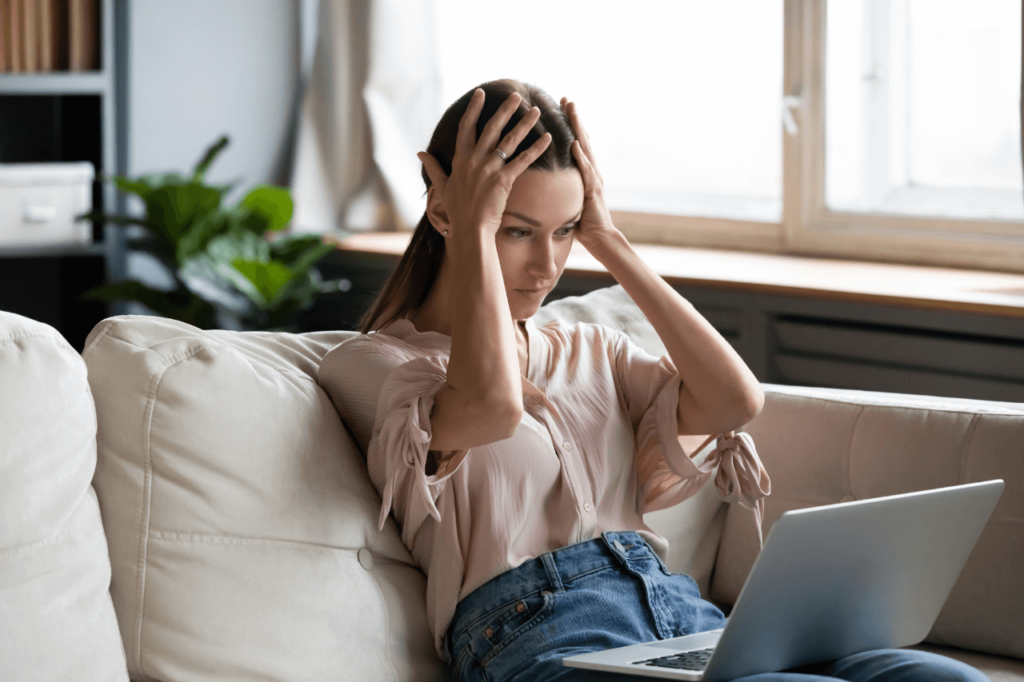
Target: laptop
{"x": 830, "y": 581}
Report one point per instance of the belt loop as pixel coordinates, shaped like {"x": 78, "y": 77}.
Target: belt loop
{"x": 548, "y": 560}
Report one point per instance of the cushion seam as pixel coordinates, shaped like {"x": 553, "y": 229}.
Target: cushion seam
{"x": 187, "y": 537}
{"x": 848, "y": 469}
{"x": 981, "y": 411}
{"x": 17, "y": 336}
{"x": 147, "y": 497}
{"x": 52, "y": 538}
{"x": 210, "y": 343}
{"x": 105, "y": 331}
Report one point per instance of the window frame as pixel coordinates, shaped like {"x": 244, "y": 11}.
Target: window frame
{"x": 808, "y": 225}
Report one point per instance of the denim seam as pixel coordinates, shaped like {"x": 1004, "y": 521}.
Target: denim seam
{"x": 540, "y": 616}
{"x": 591, "y": 571}
{"x": 467, "y": 652}
{"x": 464, "y": 632}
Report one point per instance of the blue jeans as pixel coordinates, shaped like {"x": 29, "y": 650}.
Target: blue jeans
{"x": 615, "y": 591}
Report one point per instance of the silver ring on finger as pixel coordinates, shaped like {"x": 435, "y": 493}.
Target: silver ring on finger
{"x": 503, "y": 155}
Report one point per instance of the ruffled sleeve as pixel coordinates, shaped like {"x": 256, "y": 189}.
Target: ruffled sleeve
{"x": 400, "y": 441}
{"x": 667, "y": 473}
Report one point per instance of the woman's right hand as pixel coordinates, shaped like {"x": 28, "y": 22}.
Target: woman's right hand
{"x": 474, "y": 195}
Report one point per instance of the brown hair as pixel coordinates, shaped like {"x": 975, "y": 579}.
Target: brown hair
{"x": 412, "y": 279}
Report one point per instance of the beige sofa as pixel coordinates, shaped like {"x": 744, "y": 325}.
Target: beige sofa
{"x": 238, "y": 538}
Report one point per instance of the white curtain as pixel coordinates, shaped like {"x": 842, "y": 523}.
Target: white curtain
{"x": 370, "y": 102}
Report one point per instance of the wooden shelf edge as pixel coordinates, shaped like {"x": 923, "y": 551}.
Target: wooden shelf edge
{"x": 914, "y": 286}
{"x": 53, "y": 251}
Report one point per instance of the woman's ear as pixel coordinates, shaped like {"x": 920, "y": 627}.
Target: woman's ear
{"x": 436, "y": 211}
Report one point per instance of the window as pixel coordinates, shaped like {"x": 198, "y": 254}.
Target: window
{"x": 681, "y": 99}
{"x": 878, "y": 129}
{"x": 921, "y": 108}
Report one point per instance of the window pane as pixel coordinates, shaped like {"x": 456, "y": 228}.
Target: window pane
{"x": 923, "y": 107}
{"x": 681, "y": 99}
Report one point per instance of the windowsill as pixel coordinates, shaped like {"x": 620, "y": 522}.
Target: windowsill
{"x": 973, "y": 291}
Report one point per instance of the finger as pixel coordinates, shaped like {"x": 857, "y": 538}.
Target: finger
{"x": 510, "y": 142}
{"x": 489, "y": 135}
{"x": 587, "y": 169}
{"x": 523, "y": 161}
{"x": 465, "y": 141}
{"x": 578, "y": 129}
{"x": 438, "y": 178}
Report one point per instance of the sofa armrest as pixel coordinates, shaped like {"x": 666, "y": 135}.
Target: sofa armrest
{"x": 823, "y": 446}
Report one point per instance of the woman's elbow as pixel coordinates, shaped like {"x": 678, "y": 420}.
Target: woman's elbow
{"x": 752, "y": 402}
{"x": 506, "y": 418}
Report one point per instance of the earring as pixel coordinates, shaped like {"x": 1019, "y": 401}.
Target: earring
{"x": 445, "y": 233}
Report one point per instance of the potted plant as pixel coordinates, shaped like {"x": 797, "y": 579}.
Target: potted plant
{"x": 231, "y": 266}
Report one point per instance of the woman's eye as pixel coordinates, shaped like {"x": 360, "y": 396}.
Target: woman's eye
{"x": 566, "y": 231}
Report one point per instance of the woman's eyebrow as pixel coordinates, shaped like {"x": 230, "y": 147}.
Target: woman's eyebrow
{"x": 536, "y": 223}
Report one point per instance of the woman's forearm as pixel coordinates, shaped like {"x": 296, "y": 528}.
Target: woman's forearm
{"x": 719, "y": 392}
{"x": 484, "y": 357}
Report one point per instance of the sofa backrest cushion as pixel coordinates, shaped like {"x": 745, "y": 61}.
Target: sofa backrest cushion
{"x": 56, "y": 618}
{"x": 240, "y": 516}
{"x": 823, "y": 446}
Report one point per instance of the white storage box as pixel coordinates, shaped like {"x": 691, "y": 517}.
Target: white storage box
{"x": 39, "y": 202}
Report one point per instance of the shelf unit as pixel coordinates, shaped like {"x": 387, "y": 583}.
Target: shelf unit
{"x": 68, "y": 116}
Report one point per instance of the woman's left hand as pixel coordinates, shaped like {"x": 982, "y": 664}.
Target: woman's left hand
{"x": 596, "y": 221}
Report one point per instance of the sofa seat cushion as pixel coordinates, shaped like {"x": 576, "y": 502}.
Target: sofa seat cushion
{"x": 240, "y": 516}
{"x": 56, "y": 618}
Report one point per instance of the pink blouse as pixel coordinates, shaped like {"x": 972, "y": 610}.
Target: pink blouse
{"x": 597, "y": 448}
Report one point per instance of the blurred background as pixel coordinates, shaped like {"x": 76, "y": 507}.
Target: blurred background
{"x": 871, "y": 130}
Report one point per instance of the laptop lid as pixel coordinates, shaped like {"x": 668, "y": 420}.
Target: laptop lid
{"x": 839, "y": 579}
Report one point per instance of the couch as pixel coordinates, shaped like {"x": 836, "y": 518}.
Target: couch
{"x": 179, "y": 504}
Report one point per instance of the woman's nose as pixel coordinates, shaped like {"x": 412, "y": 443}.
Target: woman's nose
{"x": 543, "y": 262}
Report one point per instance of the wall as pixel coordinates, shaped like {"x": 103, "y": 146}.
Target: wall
{"x": 197, "y": 69}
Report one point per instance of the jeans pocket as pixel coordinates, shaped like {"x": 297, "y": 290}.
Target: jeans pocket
{"x": 513, "y": 621}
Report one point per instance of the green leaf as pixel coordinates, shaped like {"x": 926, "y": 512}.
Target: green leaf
{"x": 308, "y": 258}
{"x": 266, "y": 278}
{"x": 172, "y": 209}
{"x": 273, "y": 204}
{"x": 204, "y": 229}
{"x": 290, "y": 247}
{"x": 211, "y": 153}
{"x": 238, "y": 244}
{"x": 144, "y": 185}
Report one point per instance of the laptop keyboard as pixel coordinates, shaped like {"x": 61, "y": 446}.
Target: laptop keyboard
{"x": 690, "y": 660}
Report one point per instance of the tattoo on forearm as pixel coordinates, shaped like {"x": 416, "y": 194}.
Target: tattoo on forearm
{"x": 435, "y": 458}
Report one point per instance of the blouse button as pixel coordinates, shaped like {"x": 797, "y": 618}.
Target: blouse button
{"x": 535, "y": 399}
{"x": 567, "y": 445}
{"x": 587, "y": 506}
{"x": 365, "y": 558}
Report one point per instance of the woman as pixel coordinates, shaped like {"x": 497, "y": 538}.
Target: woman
{"x": 519, "y": 460}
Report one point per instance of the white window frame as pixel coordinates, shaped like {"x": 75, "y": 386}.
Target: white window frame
{"x": 808, "y": 226}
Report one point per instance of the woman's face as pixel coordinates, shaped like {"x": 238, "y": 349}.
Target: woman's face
{"x": 536, "y": 234}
